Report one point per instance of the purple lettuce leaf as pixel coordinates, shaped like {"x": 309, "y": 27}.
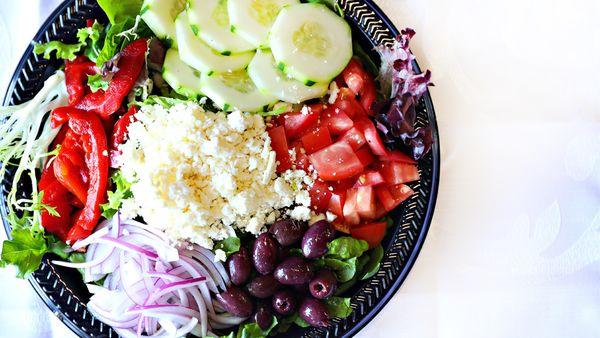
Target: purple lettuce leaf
{"x": 403, "y": 88}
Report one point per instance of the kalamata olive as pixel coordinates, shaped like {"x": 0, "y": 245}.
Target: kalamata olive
{"x": 288, "y": 232}
{"x": 301, "y": 289}
{"x": 240, "y": 266}
{"x": 264, "y": 253}
{"x": 323, "y": 285}
{"x": 263, "y": 315}
{"x": 236, "y": 301}
{"x": 314, "y": 242}
{"x": 263, "y": 286}
{"x": 293, "y": 271}
{"x": 314, "y": 312}
{"x": 284, "y": 302}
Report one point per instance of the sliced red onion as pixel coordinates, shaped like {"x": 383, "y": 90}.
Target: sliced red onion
{"x": 211, "y": 256}
{"x": 209, "y": 264}
{"x": 91, "y": 238}
{"x": 128, "y": 246}
{"x": 151, "y": 288}
{"x": 226, "y": 319}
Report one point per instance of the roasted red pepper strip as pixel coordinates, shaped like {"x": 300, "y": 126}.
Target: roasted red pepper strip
{"x": 57, "y": 196}
{"x": 120, "y": 129}
{"x": 71, "y": 171}
{"x": 76, "y": 74}
{"x": 93, "y": 140}
{"x": 130, "y": 65}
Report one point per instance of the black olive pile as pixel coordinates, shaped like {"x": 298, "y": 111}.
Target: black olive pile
{"x": 278, "y": 278}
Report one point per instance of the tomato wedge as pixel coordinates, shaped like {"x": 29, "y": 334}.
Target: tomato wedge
{"x": 351, "y": 215}
{"x": 336, "y": 120}
{"x": 336, "y": 162}
{"x": 391, "y": 196}
{"x": 365, "y": 202}
{"x": 280, "y": 146}
{"x": 302, "y": 162}
{"x": 298, "y": 123}
{"x": 361, "y": 83}
{"x": 372, "y": 233}
{"x": 354, "y": 138}
{"x": 398, "y": 172}
{"x": 397, "y": 156}
{"x": 372, "y": 137}
{"x": 346, "y": 102}
{"x": 365, "y": 157}
{"x": 320, "y": 196}
{"x": 369, "y": 178}
{"x": 316, "y": 139}
{"x": 336, "y": 204}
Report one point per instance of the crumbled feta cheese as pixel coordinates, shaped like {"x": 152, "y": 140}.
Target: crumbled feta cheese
{"x": 198, "y": 175}
{"x": 330, "y": 216}
{"x": 305, "y": 110}
{"x": 333, "y": 92}
{"x": 220, "y": 256}
{"x": 300, "y": 213}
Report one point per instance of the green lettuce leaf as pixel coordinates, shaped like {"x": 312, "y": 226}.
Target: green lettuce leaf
{"x": 346, "y": 247}
{"x": 338, "y": 307}
{"x": 97, "y": 82}
{"x": 252, "y": 330}
{"x": 344, "y": 269}
{"x": 113, "y": 42}
{"x": 88, "y": 35}
{"x": 164, "y": 101}
{"x": 119, "y": 10}
{"x": 229, "y": 245}
{"x": 373, "y": 264}
{"x": 115, "y": 198}
{"x": 25, "y": 250}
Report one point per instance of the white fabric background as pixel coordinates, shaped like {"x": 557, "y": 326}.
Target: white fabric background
{"x": 514, "y": 248}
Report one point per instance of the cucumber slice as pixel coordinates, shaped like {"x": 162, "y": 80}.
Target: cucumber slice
{"x": 210, "y": 21}
{"x": 198, "y": 55}
{"x": 252, "y": 19}
{"x": 160, "y": 16}
{"x": 270, "y": 79}
{"x": 182, "y": 78}
{"x": 235, "y": 90}
{"x": 311, "y": 43}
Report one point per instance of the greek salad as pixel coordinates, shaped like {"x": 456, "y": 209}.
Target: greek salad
{"x": 215, "y": 168}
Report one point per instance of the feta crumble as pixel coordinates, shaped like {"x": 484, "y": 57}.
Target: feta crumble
{"x": 199, "y": 175}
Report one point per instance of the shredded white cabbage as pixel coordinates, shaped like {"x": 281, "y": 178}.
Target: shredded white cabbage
{"x": 26, "y": 134}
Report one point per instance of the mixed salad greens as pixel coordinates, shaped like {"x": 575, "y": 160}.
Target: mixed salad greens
{"x": 330, "y": 113}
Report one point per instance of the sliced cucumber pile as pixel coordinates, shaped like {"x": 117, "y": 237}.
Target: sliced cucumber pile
{"x": 197, "y": 54}
{"x": 271, "y": 80}
{"x": 252, "y": 19}
{"x": 310, "y": 42}
{"x": 235, "y": 90}
{"x": 210, "y": 21}
{"x": 160, "y": 16}
{"x": 182, "y": 78}
{"x": 310, "y": 45}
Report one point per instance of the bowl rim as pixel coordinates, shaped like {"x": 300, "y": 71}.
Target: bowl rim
{"x": 390, "y": 291}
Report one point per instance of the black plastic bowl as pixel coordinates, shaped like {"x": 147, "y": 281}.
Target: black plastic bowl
{"x": 63, "y": 289}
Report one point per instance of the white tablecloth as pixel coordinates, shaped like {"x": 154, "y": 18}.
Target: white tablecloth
{"x": 514, "y": 248}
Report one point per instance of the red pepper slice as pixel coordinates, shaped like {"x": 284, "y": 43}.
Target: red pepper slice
{"x": 120, "y": 129}
{"x": 71, "y": 171}
{"x": 76, "y": 73}
{"x": 130, "y": 65}
{"x": 93, "y": 140}
{"x": 58, "y": 197}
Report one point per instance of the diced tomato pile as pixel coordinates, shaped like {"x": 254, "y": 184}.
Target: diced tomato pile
{"x": 359, "y": 179}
